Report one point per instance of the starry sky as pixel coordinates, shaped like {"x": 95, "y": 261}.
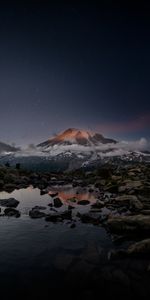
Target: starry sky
{"x": 79, "y": 65}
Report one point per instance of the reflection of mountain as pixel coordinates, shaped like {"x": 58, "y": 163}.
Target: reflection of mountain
{"x": 7, "y": 148}
{"x": 70, "y": 193}
{"x": 77, "y": 137}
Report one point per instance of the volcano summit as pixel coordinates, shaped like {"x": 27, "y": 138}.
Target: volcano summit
{"x": 78, "y": 137}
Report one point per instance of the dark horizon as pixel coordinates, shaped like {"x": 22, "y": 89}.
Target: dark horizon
{"x": 73, "y": 65}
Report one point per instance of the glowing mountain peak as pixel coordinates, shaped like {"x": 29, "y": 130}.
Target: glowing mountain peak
{"x": 78, "y": 137}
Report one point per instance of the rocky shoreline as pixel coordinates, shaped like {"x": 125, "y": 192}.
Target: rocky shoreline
{"x": 121, "y": 206}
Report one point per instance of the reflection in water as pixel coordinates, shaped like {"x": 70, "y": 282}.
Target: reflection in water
{"x": 33, "y": 253}
{"x": 30, "y": 197}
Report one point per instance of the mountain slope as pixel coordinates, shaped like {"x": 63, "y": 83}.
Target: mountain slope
{"x": 7, "y": 148}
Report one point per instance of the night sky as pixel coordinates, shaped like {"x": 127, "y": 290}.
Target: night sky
{"x": 73, "y": 65}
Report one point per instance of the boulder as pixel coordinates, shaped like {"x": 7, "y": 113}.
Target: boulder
{"x": 11, "y": 202}
{"x": 57, "y": 202}
{"x": 139, "y": 248}
{"x": 12, "y": 212}
{"x": 36, "y": 214}
{"x": 83, "y": 202}
{"x": 136, "y": 223}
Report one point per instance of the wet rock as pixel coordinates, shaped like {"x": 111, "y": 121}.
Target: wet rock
{"x": 57, "y": 202}
{"x": 125, "y": 199}
{"x": 135, "y": 204}
{"x": 73, "y": 225}
{"x": 90, "y": 217}
{"x": 121, "y": 277}
{"x": 53, "y": 194}
{"x": 12, "y": 212}
{"x": 43, "y": 192}
{"x": 140, "y": 248}
{"x": 62, "y": 262}
{"x": 112, "y": 188}
{"x": 73, "y": 199}
{"x": 66, "y": 215}
{"x": 9, "y": 187}
{"x": 145, "y": 212}
{"x": 136, "y": 223}
{"x": 11, "y": 202}
{"x": 55, "y": 217}
{"x": 83, "y": 202}
{"x": 71, "y": 207}
{"x": 38, "y": 207}
{"x": 1, "y": 184}
{"x": 91, "y": 254}
{"x": 129, "y": 185}
{"x": 98, "y": 204}
{"x": 36, "y": 214}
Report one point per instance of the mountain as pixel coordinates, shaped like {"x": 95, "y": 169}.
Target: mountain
{"x": 7, "y": 148}
{"x": 74, "y": 149}
{"x": 73, "y": 136}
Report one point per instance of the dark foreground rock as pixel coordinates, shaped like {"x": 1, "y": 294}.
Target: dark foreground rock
{"x": 58, "y": 217}
{"x": 12, "y": 212}
{"x": 57, "y": 202}
{"x": 83, "y": 202}
{"x": 11, "y": 202}
{"x": 135, "y": 223}
{"x": 36, "y": 214}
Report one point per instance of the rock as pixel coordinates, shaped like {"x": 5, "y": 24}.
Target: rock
{"x": 112, "y": 188}
{"x": 43, "y": 192}
{"x": 83, "y": 202}
{"x": 66, "y": 215}
{"x": 11, "y": 212}
{"x": 136, "y": 223}
{"x": 129, "y": 185}
{"x": 145, "y": 212}
{"x": 35, "y": 214}
{"x": 1, "y": 184}
{"x": 92, "y": 218}
{"x": 39, "y": 207}
{"x": 11, "y": 202}
{"x": 73, "y": 199}
{"x": 100, "y": 183}
{"x": 55, "y": 217}
{"x": 121, "y": 278}
{"x": 57, "y": 202}
{"x": 71, "y": 207}
{"x": 53, "y": 194}
{"x": 91, "y": 254}
{"x": 63, "y": 261}
{"x": 9, "y": 187}
{"x": 135, "y": 204}
{"x": 125, "y": 199}
{"x": 140, "y": 248}
{"x": 98, "y": 204}
{"x": 73, "y": 225}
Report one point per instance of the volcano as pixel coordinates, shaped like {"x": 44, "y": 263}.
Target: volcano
{"x": 78, "y": 137}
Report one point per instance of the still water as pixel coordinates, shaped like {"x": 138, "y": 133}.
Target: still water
{"x": 36, "y": 255}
